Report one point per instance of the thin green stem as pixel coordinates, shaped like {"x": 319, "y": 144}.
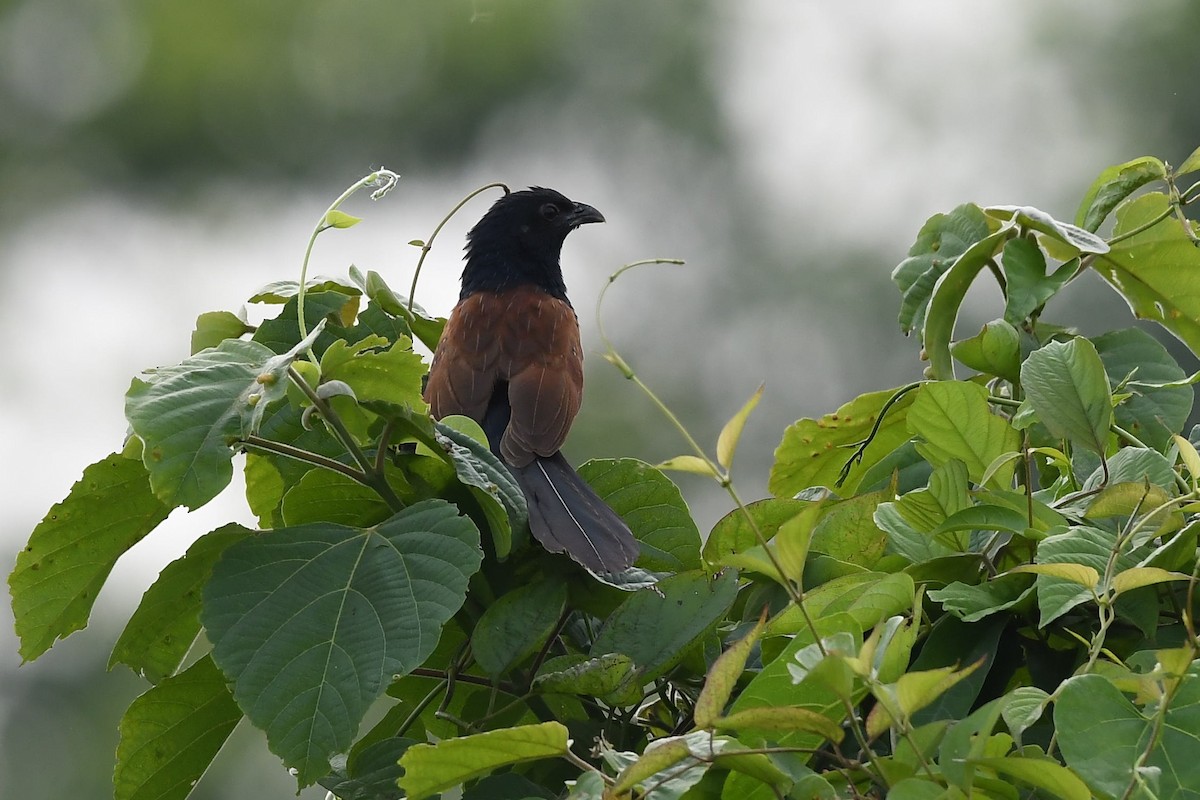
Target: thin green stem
{"x": 384, "y": 180}
{"x": 297, "y": 454}
{"x": 420, "y": 707}
{"x": 372, "y": 477}
{"x": 427, "y": 245}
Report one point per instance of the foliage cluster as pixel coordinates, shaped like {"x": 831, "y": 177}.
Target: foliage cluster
{"x": 964, "y": 587}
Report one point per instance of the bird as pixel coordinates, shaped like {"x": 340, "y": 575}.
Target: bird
{"x": 510, "y": 358}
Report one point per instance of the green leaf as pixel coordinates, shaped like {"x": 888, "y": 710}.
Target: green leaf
{"x": 516, "y": 625}
{"x": 656, "y": 628}
{"x": 1144, "y": 576}
{"x": 913, "y": 691}
{"x": 693, "y": 464}
{"x": 659, "y": 756}
{"x": 433, "y": 768}
{"x": 326, "y": 496}
{"x": 942, "y": 239}
{"x": 282, "y": 333}
{"x": 951, "y": 643}
{"x": 1067, "y": 387}
{"x": 1088, "y": 703}
{"x": 1150, "y": 414}
{"x": 966, "y": 742}
{"x": 723, "y": 676}
{"x": 1156, "y": 271}
{"x": 1138, "y": 465}
{"x": 774, "y": 687}
{"x": 917, "y": 789}
{"x": 1080, "y": 574}
{"x": 578, "y": 674}
{"x": 490, "y": 482}
{"x": 734, "y": 533}
{"x": 1028, "y": 286}
{"x": 172, "y": 733}
{"x": 813, "y": 452}
{"x": 282, "y": 291}
{"x": 72, "y": 550}
{"x": 847, "y": 530}
{"x": 867, "y": 598}
{"x": 954, "y": 420}
{"x": 972, "y": 603}
{"x": 311, "y": 622}
{"x": 1042, "y": 773}
{"x": 167, "y": 621}
{"x": 1190, "y": 164}
{"x": 984, "y": 518}
{"x": 948, "y": 295}
{"x": 1079, "y": 547}
{"x": 371, "y": 774}
{"x": 995, "y": 350}
{"x": 1115, "y": 184}
{"x": 727, "y": 441}
{"x": 653, "y": 507}
{"x": 379, "y": 378}
{"x": 192, "y": 414}
{"x": 1078, "y": 239}
{"x": 340, "y": 219}
{"x": 1023, "y": 708}
{"x": 782, "y": 719}
{"x": 427, "y": 329}
{"x": 214, "y": 327}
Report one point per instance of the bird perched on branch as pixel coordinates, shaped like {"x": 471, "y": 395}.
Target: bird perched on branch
{"x": 510, "y": 359}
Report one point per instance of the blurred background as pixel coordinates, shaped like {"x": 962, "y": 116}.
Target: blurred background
{"x": 159, "y": 160}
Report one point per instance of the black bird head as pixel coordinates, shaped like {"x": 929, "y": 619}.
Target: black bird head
{"x": 519, "y": 241}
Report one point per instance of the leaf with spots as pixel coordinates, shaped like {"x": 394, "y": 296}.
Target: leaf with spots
{"x": 814, "y": 451}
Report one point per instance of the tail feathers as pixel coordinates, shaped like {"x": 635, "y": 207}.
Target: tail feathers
{"x": 566, "y": 515}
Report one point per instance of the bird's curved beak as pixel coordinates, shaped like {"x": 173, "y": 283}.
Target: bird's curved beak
{"x": 582, "y": 213}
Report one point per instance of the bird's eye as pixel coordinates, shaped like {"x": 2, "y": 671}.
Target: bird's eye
{"x": 549, "y": 211}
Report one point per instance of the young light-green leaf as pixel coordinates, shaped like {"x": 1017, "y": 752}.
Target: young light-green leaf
{"x": 723, "y": 676}
{"x": 727, "y": 441}
{"x": 171, "y": 734}
{"x": 340, "y": 219}
{"x": 1067, "y": 387}
{"x": 214, "y": 327}
{"x": 72, "y": 550}
{"x": 433, "y": 768}
{"x": 311, "y": 623}
{"x": 1043, "y": 773}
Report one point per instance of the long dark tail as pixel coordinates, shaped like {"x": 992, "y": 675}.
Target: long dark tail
{"x": 565, "y": 514}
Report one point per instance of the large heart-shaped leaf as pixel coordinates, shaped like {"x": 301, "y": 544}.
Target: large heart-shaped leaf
{"x": 312, "y": 622}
